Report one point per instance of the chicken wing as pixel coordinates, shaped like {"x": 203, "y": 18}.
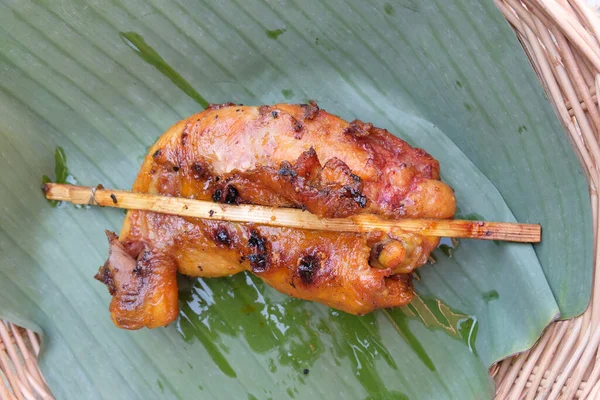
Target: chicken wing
{"x": 283, "y": 156}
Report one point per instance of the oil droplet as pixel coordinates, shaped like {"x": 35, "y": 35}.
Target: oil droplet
{"x": 290, "y": 334}
{"x": 61, "y": 175}
{"x": 272, "y": 366}
{"x": 248, "y": 309}
{"x": 283, "y": 327}
{"x": 400, "y": 322}
{"x": 468, "y": 328}
{"x": 287, "y": 93}
{"x": 137, "y": 43}
{"x": 198, "y": 301}
{"x": 490, "y": 296}
{"x": 236, "y": 307}
{"x": 213, "y": 351}
{"x": 275, "y": 33}
{"x": 61, "y": 171}
{"x": 358, "y": 340}
{"x": 435, "y": 314}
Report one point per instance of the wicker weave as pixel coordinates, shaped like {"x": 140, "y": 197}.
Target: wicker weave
{"x": 20, "y": 377}
{"x": 561, "y": 39}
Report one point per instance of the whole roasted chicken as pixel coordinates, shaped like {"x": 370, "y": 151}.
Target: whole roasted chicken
{"x": 282, "y": 156}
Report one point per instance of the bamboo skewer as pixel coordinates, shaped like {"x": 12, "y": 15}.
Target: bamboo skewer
{"x": 289, "y": 217}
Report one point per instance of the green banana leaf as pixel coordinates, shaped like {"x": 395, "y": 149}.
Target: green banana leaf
{"x": 103, "y": 79}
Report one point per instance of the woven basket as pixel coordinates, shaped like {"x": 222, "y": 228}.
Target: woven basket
{"x": 561, "y": 39}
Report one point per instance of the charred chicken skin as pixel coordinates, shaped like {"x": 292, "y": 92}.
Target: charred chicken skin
{"x": 283, "y": 156}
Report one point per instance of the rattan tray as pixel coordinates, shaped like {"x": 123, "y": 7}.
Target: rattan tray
{"x": 561, "y": 39}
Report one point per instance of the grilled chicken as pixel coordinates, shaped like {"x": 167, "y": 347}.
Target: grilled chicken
{"x": 283, "y": 156}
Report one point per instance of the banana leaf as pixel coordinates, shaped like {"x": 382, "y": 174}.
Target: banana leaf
{"x": 86, "y": 87}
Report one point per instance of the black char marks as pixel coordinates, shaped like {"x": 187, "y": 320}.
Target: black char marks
{"x": 297, "y": 128}
{"x": 105, "y": 276}
{"x": 219, "y": 106}
{"x": 142, "y": 265}
{"x": 358, "y": 128}
{"x": 264, "y": 110}
{"x": 222, "y": 237}
{"x": 286, "y": 169}
{"x": 308, "y": 266}
{"x": 331, "y": 190}
{"x": 231, "y": 195}
{"x": 227, "y": 195}
{"x": 200, "y": 170}
{"x": 258, "y": 257}
{"x": 336, "y": 172}
{"x": 184, "y": 135}
{"x": 311, "y": 110}
{"x": 357, "y": 196}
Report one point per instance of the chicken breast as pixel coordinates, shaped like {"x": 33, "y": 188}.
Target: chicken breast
{"x": 284, "y": 156}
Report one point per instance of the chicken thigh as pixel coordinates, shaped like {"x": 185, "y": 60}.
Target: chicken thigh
{"x": 282, "y": 156}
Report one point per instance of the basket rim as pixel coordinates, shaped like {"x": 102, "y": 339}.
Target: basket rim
{"x": 561, "y": 40}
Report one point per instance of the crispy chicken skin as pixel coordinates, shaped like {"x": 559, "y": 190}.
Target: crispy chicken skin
{"x": 286, "y": 156}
